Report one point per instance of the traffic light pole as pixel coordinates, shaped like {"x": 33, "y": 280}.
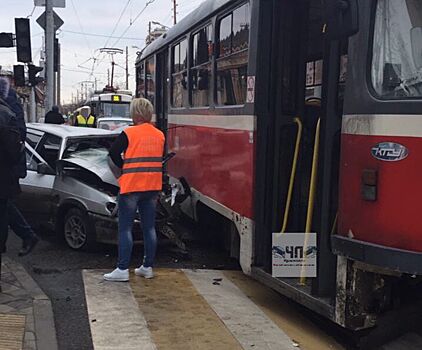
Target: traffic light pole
{"x": 49, "y": 54}
{"x": 32, "y": 106}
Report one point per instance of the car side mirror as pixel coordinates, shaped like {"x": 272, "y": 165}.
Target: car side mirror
{"x": 45, "y": 169}
{"x": 342, "y": 18}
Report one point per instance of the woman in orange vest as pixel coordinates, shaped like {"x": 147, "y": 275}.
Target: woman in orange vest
{"x": 140, "y": 182}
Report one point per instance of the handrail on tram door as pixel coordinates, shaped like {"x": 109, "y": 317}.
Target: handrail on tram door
{"x": 292, "y": 173}
{"x": 312, "y": 193}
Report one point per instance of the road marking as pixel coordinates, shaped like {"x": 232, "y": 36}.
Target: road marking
{"x": 115, "y": 320}
{"x": 252, "y": 328}
{"x": 178, "y": 316}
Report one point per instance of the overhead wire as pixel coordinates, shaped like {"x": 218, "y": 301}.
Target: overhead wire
{"x": 149, "y": 2}
{"x": 100, "y": 35}
{"x": 96, "y": 60}
{"x": 118, "y": 22}
{"x": 99, "y": 61}
{"x": 80, "y": 25}
{"x": 32, "y": 12}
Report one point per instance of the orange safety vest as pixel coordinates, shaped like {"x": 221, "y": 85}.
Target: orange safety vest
{"x": 143, "y": 160}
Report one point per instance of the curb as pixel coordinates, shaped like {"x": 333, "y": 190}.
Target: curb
{"x": 45, "y": 328}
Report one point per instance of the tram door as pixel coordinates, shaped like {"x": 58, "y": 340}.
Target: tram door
{"x": 162, "y": 90}
{"x": 305, "y": 137}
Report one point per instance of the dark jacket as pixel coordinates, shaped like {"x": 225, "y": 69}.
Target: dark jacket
{"x": 11, "y": 148}
{"x": 54, "y": 118}
{"x": 16, "y": 107}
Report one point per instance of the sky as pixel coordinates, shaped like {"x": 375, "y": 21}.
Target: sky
{"x": 87, "y": 27}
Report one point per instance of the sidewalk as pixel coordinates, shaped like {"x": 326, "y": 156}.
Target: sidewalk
{"x": 195, "y": 309}
{"x": 26, "y": 315}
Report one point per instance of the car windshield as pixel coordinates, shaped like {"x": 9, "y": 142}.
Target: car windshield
{"x": 113, "y": 124}
{"x": 88, "y": 145}
{"x": 116, "y": 110}
{"x": 397, "y": 49}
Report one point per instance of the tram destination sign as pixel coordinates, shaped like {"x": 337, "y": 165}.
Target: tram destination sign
{"x": 56, "y": 3}
{"x": 294, "y": 255}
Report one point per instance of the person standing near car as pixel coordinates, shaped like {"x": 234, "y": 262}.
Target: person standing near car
{"x": 11, "y": 148}
{"x": 17, "y": 222}
{"x": 85, "y": 118}
{"x": 140, "y": 183}
{"x": 54, "y": 116}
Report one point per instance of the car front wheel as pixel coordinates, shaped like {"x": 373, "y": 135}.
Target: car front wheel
{"x": 78, "y": 230}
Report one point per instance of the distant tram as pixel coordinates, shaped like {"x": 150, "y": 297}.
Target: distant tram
{"x": 303, "y": 116}
{"x": 110, "y": 104}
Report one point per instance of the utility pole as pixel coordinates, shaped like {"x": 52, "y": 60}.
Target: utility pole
{"x": 49, "y": 54}
{"x": 32, "y": 106}
{"x": 149, "y": 33}
{"x": 112, "y": 72}
{"x": 174, "y": 11}
{"x": 127, "y": 68}
{"x": 59, "y": 79}
{"x": 108, "y": 76}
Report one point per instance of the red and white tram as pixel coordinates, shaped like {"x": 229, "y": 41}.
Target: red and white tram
{"x": 299, "y": 116}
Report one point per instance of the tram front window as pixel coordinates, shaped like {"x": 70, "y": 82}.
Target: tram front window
{"x": 116, "y": 110}
{"x": 397, "y": 49}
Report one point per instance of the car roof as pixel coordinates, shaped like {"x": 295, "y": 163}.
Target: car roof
{"x": 68, "y": 131}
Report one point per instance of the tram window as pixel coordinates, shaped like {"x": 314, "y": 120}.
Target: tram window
{"x": 201, "y": 70}
{"x": 150, "y": 80}
{"x": 140, "y": 80}
{"x": 397, "y": 49}
{"x": 179, "y": 74}
{"x": 232, "y": 63}
{"x": 225, "y": 41}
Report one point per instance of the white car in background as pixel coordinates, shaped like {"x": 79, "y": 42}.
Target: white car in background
{"x": 110, "y": 123}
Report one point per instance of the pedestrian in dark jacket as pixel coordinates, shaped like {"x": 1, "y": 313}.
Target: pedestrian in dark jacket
{"x": 54, "y": 116}
{"x": 11, "y": 98}
{"x": 16, "y": 220}
{"x": 10, "y": 151}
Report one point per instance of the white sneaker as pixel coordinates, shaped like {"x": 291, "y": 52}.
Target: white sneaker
{"x": 144, "y": 272}
{"x": 117, "y": 276}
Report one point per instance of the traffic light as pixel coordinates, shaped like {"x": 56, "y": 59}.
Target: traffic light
{"x": 23, "y": 40}
{"x": 6, "y": 40}
{"x": 19, "y": 75}
{"x": 32, "y": 73}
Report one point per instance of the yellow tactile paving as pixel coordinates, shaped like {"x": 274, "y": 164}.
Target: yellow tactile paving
{"x": 12, "y": 328}
{"x": 284, "y": 314}
{"x": 178, "y": 317}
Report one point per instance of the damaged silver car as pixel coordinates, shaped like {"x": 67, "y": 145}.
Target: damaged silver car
{"x": 69, "y": 186}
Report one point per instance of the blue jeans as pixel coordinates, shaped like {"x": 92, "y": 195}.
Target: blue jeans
{"x": 129, "y": 203}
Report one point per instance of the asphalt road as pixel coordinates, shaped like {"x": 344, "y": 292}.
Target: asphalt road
{"x": 57, "y": 269}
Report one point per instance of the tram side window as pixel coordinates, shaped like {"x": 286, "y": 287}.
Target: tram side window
{"x": 179, "y": 80}
{"x": 397, "y": 49}
{"x": 201, "y": 67}
{"x": 140, "y": 80}
{"x": 232, "y": 62}
{"x": 150, "y": 80}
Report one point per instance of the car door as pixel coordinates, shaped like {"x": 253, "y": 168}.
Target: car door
{"x": 36, "y": 199}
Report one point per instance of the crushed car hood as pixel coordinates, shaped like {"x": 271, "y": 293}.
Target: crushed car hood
{"x": 94, "y": 161}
